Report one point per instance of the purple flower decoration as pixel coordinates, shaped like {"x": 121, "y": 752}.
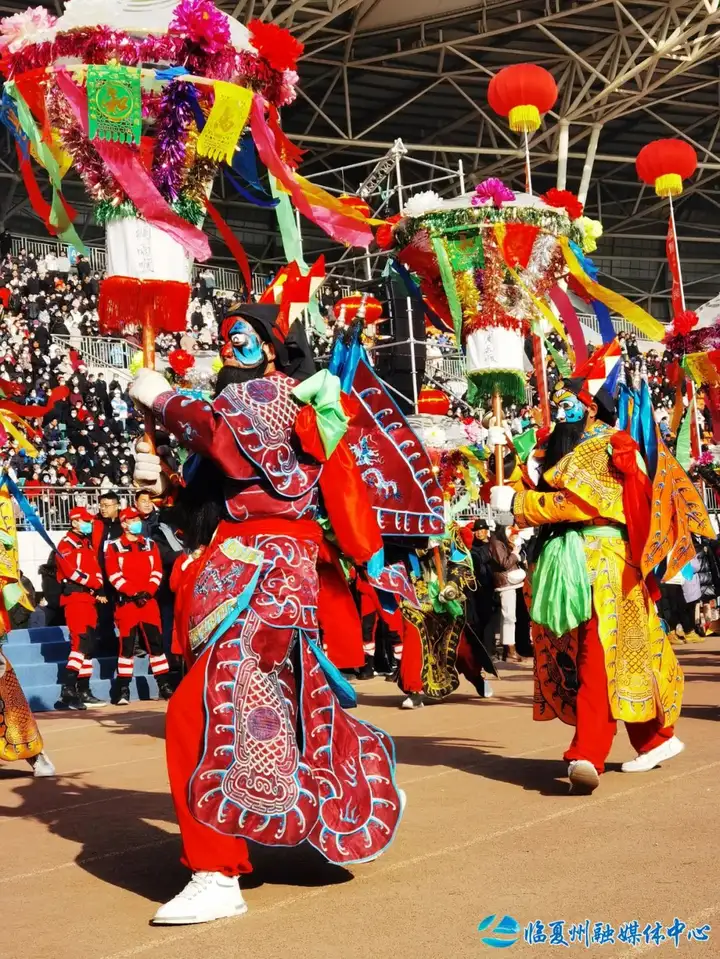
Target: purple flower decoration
{"x": 202, "y": 23}
{"x": 479, "y": 278}
{"x": 492, "y": 189}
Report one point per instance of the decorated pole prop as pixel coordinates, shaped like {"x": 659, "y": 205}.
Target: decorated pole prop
{"x": 523, "y": 93}
{"x": 148, "y": 100}
{"x": 664, "y": 165}
{"x": 486, "y": 264}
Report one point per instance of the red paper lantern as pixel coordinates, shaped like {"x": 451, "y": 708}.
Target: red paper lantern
{"x": 351, "y": 305}
{"x": 355, "y": 204}
{"x": 664, "y": 164}
{"x": 433, "y": 401}
{"x": 522, "y": 93}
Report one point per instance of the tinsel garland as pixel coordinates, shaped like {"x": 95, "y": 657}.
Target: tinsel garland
{"x": 185, "y": 207}
{"x": 492, "y": 310}
{"x": 469, "y": 296}
{"x": 174, "y": 117}
{"x": 104, "y": 44}
{"x": 697, "y": 341}
{"x": 441, "y": 224}
{"x": 99, "y": 182}
{"x": 198, "y": 176}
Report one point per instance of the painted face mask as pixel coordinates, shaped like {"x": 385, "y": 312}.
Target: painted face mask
{"x": 246, "y": 345}
{"x": 135, "y": 527}
{"x": 570, "y": 409}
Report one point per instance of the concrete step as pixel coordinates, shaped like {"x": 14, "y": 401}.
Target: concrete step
{"x": 48, "y": 634}
{"x": 39, "y": 657}
{"x": 26, "y": 654}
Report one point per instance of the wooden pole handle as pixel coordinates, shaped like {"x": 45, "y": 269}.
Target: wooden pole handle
{"x": 499, "y": 455}
{"x": 148, "y": 348}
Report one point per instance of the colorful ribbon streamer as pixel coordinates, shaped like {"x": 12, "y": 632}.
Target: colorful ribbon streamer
{"x": 605, "y": 323}
{"x": 292, "y": 245}
{"x": 244, "y": 163}
{"x": 342, "y": 224}
{"x": 448, "y": 281}
{"x": 647, "y": 325}
{"x": 59, "y": 214}
{"x": 233, "y": 244}
{"x": 126, "y": 166}
{"x": 704, "y": 368}
{"x": 246, "y": 194}
{"x": 542, "y": 308}
{"x": 29, "y": 513}
{"x": 572, "y": 323}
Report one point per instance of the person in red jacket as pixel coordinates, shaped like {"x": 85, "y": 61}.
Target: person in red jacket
{"x": 134, "y": 568}
{"x": 81, "y": 580}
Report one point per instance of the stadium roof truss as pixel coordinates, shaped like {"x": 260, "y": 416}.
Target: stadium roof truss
{"x": 628, "y": 71}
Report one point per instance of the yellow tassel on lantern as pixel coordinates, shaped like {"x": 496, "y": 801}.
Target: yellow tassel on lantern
{"x": 524, "y": 118}
{"x": 669, "y": 184}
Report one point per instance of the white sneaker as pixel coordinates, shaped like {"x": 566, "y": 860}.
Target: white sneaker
{"x": 42, "y": 767}
{"x": 208, "y": 896}
{"x": 413, "y": 701}
{"x": 646, "y": 761}
{"x": 583, "y": 776}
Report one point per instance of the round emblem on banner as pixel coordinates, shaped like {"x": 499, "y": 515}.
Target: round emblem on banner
{"x": 114, "y": 100}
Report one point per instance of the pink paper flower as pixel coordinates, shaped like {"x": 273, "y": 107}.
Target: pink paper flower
{"x": 202, "y": 23}
{"x": 288, "y": 84}
{"x": 492, "y": 189}
{"x": 34, "y": 25}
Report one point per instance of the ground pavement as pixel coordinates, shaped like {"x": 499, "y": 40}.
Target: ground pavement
{"x": 489, "y": 830}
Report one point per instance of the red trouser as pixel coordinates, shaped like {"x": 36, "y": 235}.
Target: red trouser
{"x": 81, "y": 617}
{"x": 204, "y": 850}
{"x": 595, "y": 726}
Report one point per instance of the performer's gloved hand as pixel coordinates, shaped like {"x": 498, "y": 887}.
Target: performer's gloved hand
{"x": 501, "y": 499}
{"x": 3, "y": 664}
{"x": 148, "y": 469}
{"x": 147, "y": 386}
{"x": 497, "y": 436}
{"x": 142, "y": 598}
{"x": 449, "y": 593}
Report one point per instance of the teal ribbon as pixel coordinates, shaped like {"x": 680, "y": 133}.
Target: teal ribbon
{"x": 322, "y": 392}
{"x": 561, "y": 592}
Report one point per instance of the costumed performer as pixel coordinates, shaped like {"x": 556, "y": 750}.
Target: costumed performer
{"x": 601, "y": 653}
{"x": 258, "y": 744}
{"x": 20, "y": 737}
{"x": 436, "y": 647}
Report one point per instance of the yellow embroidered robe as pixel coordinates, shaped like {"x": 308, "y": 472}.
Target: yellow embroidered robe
{"x": 644, "y": 678}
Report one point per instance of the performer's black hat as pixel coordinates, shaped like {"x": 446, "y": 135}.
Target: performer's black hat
{"x": 588, "y": 381}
